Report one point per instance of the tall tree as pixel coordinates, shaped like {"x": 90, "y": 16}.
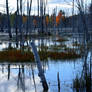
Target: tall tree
{"x": 20, "y": 20}
{"x": 80, "y": 4}
{"x": 8, "y": 18}
{"x": 73, "y": 16}
{"x": 16, "y": 20}
{"x": 29, "y": 6}
{"x": 90, "y": 11}
{"x": 38, "y": 6}
{"x": 39, "y": 66}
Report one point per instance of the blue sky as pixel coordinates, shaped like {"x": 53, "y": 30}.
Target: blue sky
{"x": 65, "y": 5}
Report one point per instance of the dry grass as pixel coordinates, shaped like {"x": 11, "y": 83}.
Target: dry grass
{"x": 18, "y": 55}
{"x": 63, "y": 55}
{"x": 61, "y": 39}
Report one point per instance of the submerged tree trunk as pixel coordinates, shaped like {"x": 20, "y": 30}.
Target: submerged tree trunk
{"x": 8, "y": 18}
{"x": 41, "y": 74}
{"x": 58, "y": 82}
{"x": 8, "y": 71}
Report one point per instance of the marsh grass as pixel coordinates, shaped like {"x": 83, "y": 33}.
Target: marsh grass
{"x": 16, "y": 55}
{"x": 78, "y": 84}
{"x": 20, "y": 55}
{"x": 82, "y": 84}
{"x": 61, "y": 39}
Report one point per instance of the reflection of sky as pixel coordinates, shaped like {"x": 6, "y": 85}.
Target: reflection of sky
{"x": 11, "y": 85}
{"x": 3, "y": 45}
{"x": 67, "y": 72}
{"x": 38, "y": 42}
{"x": 41, "y": 42}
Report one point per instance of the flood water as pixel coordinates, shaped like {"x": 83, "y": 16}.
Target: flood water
{"x": 23, "y": 77}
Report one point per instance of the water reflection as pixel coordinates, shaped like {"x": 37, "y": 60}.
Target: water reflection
{"x": 82, "y": 83}
{"x": 23, "y": 77}
{"x": 19, "y": 78}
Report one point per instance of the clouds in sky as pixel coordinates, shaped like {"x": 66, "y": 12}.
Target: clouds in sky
{"x": 65, "y": 5}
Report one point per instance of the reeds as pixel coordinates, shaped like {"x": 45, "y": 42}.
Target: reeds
{"x": 18, "y": 55}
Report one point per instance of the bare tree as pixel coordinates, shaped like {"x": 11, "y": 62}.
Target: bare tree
{"x": 80, "y": 4}
{"x": 38, "y": 6}
{"x": 90, "y": 11}
{"x": 73, "y": 16}
{"x": 16, "y": 21}
{"x": 29, "y": 6}
{"x": 39, "y": 65}
{"x": 8, "y": 18}
{"x": 20, "y": 28}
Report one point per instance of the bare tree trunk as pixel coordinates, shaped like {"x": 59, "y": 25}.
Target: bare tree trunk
{"x": 41, "y": 74}
{"x": 58, "y": 82}
{"x": 8, "y": 71}
{"x": 41, "y": 14}
{"x": 29, "y": 13}
{"x": 45, "y": 3}
{"x": 38, "y": 6}
{"x": 73, "y": 16}
{"x": 16, "y": 23}
{"x": 85, "y": 28}
{"x": 29, "y": 5}
{"x": 9, "y": 26}
{"x": 27, "y": 26}
{"x": 20, "y": 28}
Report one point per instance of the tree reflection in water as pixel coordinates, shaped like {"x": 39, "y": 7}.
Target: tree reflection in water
{"x": 21, "y": 79}
{"x": 33, "y": 78}
{"x": 30, "y": 81}
{"x": 84, "y": 83}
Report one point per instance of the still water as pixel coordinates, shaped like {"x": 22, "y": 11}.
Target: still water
{"x": 23, "y": 77}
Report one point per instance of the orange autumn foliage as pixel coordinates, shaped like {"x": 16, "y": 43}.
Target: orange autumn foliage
{"x": 59, "y": 17}
{"x": 47, "y": 20}
{"x": 57, "y": 20}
